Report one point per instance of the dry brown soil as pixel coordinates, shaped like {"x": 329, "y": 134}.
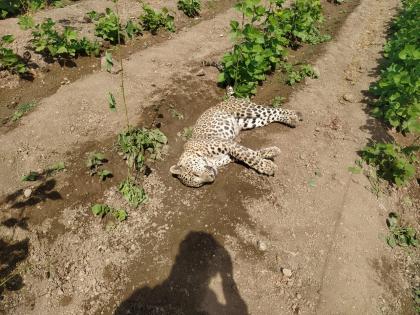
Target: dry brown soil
{"x": 310, "y": 240}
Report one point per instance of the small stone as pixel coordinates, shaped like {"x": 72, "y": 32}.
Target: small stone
{"x": 287, "y": 272}
{"x": 262, "y": 246}
{"x": 348, "y": 98}
{"x": 317, "y": 129}
{"x": 27, "y": 192}
{"x": 200, "y": 73}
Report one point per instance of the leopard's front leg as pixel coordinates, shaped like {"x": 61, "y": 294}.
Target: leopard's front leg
{"x": 254, "y": 159}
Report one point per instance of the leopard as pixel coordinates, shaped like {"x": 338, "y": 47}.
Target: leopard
{"x": 212, "y": 144}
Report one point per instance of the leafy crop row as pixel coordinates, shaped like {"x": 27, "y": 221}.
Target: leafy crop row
{"x": 398, "y": 89}
{"x": 13, "y": 7}
{"x": 263, "y": 36}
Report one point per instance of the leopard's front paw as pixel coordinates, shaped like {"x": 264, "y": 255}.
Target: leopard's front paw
{"x": 270, "y": 152}
{"x": 267, "y": 167}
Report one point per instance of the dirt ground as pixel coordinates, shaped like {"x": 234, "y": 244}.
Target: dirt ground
{"x": 310, "y": 240}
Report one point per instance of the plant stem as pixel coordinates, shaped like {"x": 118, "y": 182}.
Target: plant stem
{"x": 122, "y": 66}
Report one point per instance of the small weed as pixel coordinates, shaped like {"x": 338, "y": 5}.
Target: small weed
{"x": 57, "y": 167}
{"x": 137, "y": 144}
{"x": 176, "y": 114}
{"x": 21, "y": 110}
{"x": 399, "y": 235}
{"x": 191, "y": 8}
{"x": 354, "y": 169}
{"x": 393, "y": 163}
{"x": 112, "y": 104}
{"x": 95, "y": 160}
{"x": 31, "y": 176}
{"x": 104, "y": 174}
{"x": 26, "y": 22}
{"x": 186, "y": 133}
{"x": 102, "y": 210}
{"x": 134, "y": 194}
{"x": 278, "y": 101}
{"x": 416, "y": 297}
{"x": 296, "y": 76}
{"x": 46, "y": 39}
{"x": 8, "y": 59}
{"x": 152, "y": 20}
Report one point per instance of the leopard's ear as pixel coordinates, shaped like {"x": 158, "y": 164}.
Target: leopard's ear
{"x": 175, "y": 169}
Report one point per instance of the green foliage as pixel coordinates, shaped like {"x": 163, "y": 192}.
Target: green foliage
{"x": 138, "y": 143}
{"x": 152, "y": 20}
{"x": 31, "y": 176}
{"x": 393, "y": 163}
{"x": 191, "y": 8}
{"x": 21, "y": 110}
{"x": 104, "y": 174}
{"x": 46, "y": 39}
{"x": 398, "y": 89}
{"x": 186, "y": 133}
{"x": 296, "y": 76}
{"x": 278, "y": 101}
{"x": 416, "y": 297}
{"x": 10, "y": 8}
{"x": 399, "y": 235}
{"x": 57, "y": 167}
{"x": 111, "y": 101}
{"x": 261, "y": 42}
{"x": 102, "y": 210}
{"x": 26, "y": 22}
{"x": 108, "y": 26}
{"x": 134, "y": 194}
{"x": 8, "y": 59}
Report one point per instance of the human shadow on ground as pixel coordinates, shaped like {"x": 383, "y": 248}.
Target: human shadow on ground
{"x": 186, "y": 291}
{"x": 41, "y": 193}
{"x": 11, "y": 254}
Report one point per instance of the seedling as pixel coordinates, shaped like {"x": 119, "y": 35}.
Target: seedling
{"x": 137, "y": 144}
{"x": 112, "y": 104}
{"x": 21, "y": 110}
{"x": 104, "y": 174}
{"x": 191, "y": 8}
{"x": 26, "y": 22}
{"x": 102, "y": 210}
{"x": 31, "y": 176}
{"x": 186, "y": 133}
{"x": 399, "y": 235}
{"x": 296, "y": 76}
{"x": 134, "y": 194}
{"x": 278, "y": 101}
{"x": 176, "y": 114}
{"x": 57, "y": 167}
{"x": 8, "y": 59}
{"x": 95, "y": 160}
{"x": 47, "y": 40}
{"x": 152, "y": 20}
{"x": 393, "y": 163}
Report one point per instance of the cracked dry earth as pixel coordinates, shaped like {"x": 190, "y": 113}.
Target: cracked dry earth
{"x": 309, "y": 240}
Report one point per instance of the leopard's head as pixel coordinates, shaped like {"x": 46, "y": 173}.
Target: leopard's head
{"x": 194, "y": 171}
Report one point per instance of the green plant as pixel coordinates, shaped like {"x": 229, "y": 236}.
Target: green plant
{"x": 191, "y": 8}
{"x": 95, "y": 160}
{"x": 152, "y": 20}
{"x": 397, "y": 90}
{"x": 278, "y": 101}
{"x": 102, "y": 210}
{"x": 31, "y": 176}
{"x": 57, "y": 167}
{"x": 392, "y": 162}
{"x": 296, "y": 76}
{"x": 21, "y": 110}
{"x": 136, "y": 143}
{"x": 134, "y": 194}
{"x": 10, "y": 8}
{"x": 176, "y": 114}
{"x": 186, "y": 133}
{"x": 8, "y": 59}
{"x": 104, "y": 174}
{"x": 108, "y": 26}
{"x": 26, "y": 22}
{"x": 46, "y": 39}
{"x": 261, "y": 41}
{"x": 399, "y": 235}
{"x": 416, "y": 297}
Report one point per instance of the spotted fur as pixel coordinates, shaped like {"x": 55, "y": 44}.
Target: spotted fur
{"x": 212, "y": 144}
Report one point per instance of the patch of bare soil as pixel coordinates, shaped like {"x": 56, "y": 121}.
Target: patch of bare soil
{"x": 308, "y": 240}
